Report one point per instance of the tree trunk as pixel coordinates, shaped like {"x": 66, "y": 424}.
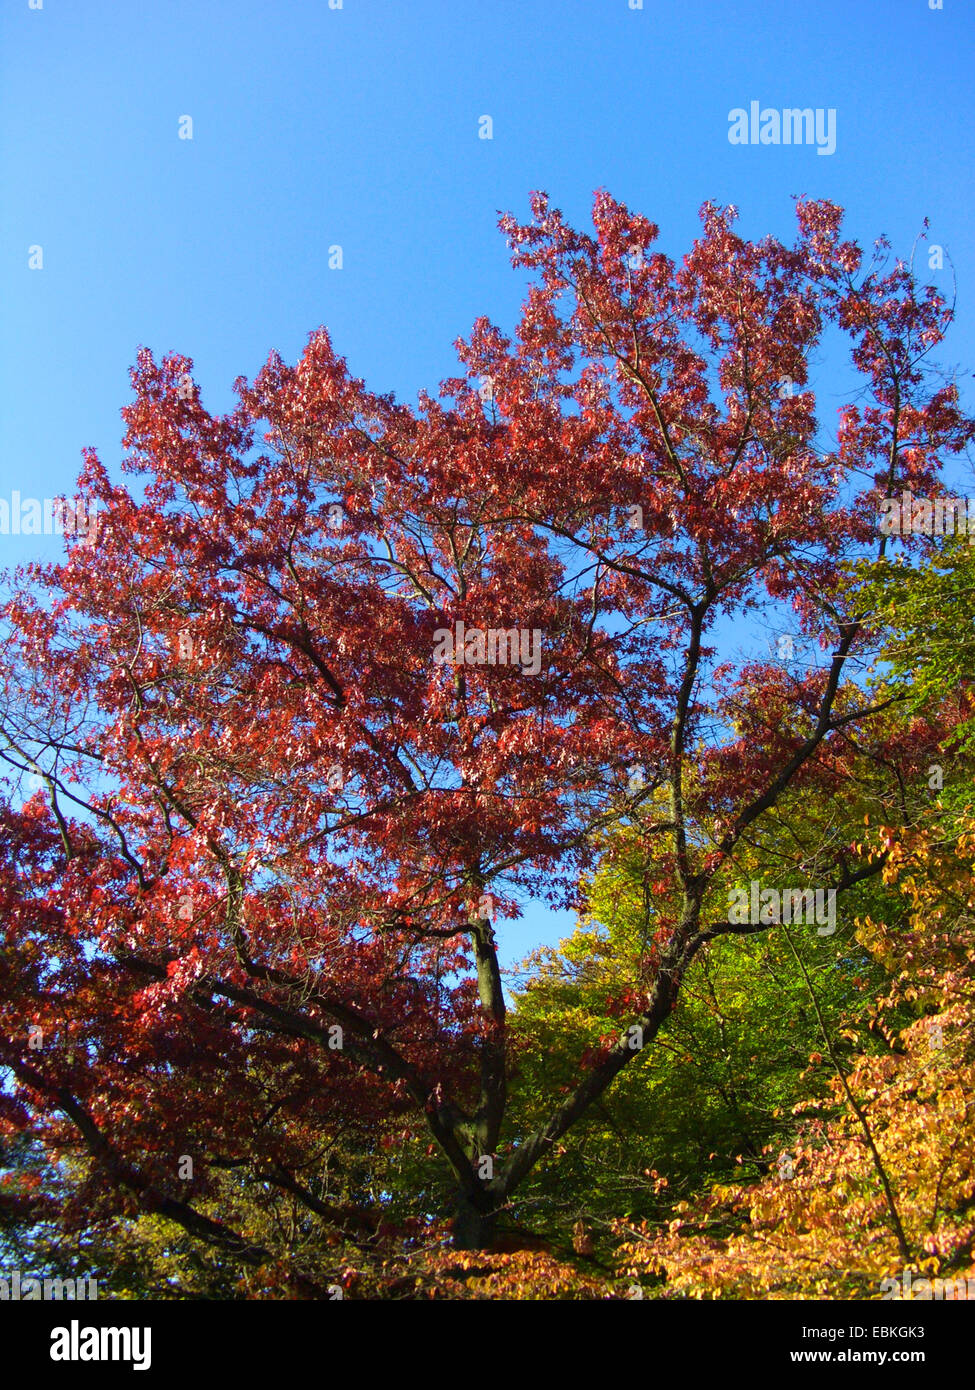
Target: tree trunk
{"x": 474, "y": 1224}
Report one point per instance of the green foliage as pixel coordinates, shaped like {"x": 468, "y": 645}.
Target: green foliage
{"x": 925, "y": 614}
{"x": 717, "y": 1088}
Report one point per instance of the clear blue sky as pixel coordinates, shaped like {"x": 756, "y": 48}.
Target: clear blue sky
{"x": 359, "y": 127}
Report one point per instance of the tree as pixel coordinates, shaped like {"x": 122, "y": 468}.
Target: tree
{"x": 924, "y": 617}
{"x": 313, "y": 713}
{"x": 881, "y": 1192}
{"x": 713, "y": 1101}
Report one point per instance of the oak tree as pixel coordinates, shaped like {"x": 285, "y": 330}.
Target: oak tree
{"x": 339, "y": 683}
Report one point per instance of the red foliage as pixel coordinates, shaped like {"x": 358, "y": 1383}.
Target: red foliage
{"x": 296, "y": 819}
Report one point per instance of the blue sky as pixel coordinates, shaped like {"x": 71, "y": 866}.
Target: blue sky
{"x": 358, "y": 127}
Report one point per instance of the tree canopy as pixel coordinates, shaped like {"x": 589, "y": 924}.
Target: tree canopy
{"x": 336, "y": 685}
